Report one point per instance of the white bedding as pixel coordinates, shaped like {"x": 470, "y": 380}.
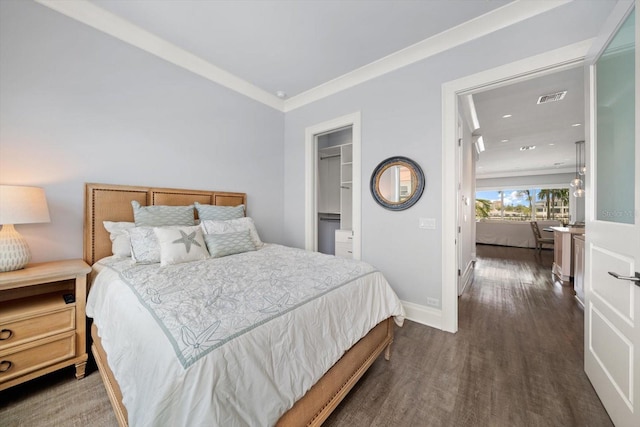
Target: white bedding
{"x": 249, "y": 376}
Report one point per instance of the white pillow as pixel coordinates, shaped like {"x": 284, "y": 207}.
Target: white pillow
{"x": 144, "y": 245}
{"x": 240, "y": 224}
{"x": 120, "y": 242}
{"x": 181, "y": 244}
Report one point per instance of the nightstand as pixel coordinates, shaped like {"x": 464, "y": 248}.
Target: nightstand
{"x": 40, "y": 332}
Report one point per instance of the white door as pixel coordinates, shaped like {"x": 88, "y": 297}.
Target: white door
{"x": 612, "y": 304}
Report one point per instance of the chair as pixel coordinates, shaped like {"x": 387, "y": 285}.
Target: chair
{"x": 538, "y": 236}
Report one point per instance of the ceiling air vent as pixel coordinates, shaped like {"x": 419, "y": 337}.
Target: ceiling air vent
{"x": 528, "y": 147}
{"x": 552, "y": 97}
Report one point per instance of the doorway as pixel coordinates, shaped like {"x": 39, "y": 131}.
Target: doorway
{"x": 524, "y": 161}
{"x": 544, "y": 64}
{"x": 333, "y": 187}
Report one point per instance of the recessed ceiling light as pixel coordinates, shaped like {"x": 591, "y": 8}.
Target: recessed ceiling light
{"x": 506, "y": 116}
{"x": 527, "y": 147}
{"x": 505, "y": 140}
{"x": 551, "y": 143}
{"x": 575, "y": 125}
{"x": 281, "y": 94}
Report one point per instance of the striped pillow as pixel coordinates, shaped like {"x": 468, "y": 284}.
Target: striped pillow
{"x": 224, "y": 244}
{"x": 219, "y": 213}
{"x": 160, "y": 216}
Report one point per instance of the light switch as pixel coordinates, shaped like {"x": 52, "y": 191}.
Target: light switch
{"x": 428, "y": 223}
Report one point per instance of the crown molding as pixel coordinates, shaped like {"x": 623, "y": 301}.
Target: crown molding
{"x": 109, "y": 23}
{"x": 480, "y": 26}
{"x": 105, "y": 21}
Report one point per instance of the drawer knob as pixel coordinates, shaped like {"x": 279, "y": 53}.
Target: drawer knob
{"x": 5, "y": 365}
{"x": 5, "y": 334}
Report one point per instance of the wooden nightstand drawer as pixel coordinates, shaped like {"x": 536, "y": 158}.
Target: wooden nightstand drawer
{"x": 29, "y": 319}
{"x": 39, "y": 332}
{"x": 22, "y": 359}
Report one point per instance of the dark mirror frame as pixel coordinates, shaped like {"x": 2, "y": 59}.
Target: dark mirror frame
{"x": 415, "y": 195}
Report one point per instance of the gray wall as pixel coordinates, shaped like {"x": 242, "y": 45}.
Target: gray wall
{"x": 401, "y": 115}
{"x": 79, "y": 106}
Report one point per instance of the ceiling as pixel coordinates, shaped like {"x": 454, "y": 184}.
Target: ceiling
{"x": 294, "y": 46}
{"x": 549, "y": 126}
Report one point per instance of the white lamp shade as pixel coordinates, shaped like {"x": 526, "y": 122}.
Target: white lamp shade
{"x": 22, "y": 205}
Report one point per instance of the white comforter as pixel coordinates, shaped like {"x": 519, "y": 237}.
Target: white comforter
{"x": 240, "y": 342}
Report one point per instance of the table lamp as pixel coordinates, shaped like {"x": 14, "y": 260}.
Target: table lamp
{"x": 18, "y": 205}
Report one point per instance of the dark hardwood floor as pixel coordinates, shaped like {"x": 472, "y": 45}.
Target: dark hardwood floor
{"x": 517, "y": 359}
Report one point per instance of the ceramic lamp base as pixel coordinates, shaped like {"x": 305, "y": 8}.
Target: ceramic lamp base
{"x": 14, "y": 251}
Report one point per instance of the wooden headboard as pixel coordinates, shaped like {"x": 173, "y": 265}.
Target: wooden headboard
{"x": 105, "y": 202}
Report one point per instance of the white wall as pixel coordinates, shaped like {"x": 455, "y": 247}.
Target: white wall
{"x": 79, "y": 106}
{"x": 401, "y": 115}
{"x": 556, "y": 180}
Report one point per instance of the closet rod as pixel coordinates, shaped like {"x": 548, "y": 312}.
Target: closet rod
{"x": 329, "y": 157}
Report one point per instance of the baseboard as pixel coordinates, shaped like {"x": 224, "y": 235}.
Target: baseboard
{"x": 422, "y": 314}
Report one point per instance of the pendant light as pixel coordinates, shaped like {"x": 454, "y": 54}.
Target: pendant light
{"x": 577, "y": 184}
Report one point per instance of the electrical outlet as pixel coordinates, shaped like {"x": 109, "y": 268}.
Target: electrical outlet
{"x": 428, "y": 223}
{"x": 434, "y": 302}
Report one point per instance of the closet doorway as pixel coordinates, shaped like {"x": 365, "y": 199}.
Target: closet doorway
{"x": 333, "y": 187}
{"x": 334, "y": 192}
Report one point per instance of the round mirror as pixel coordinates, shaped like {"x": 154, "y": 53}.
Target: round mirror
{"x": 397, "y": 183}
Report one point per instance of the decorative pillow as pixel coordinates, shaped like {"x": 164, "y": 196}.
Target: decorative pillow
{"x": 217, "y": 227}
{"x": 219, "y": 213}
{"x": 181, "y": 244}
{"x": 234, "y": 242}
{"x": 120, "y": 242}
{"x": 145, "y": 248}
{"x": 159, "y": 216}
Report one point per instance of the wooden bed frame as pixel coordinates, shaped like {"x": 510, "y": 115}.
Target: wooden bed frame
{"x": 104, "y": 202}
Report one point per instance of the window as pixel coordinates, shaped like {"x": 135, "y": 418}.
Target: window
{"x": 523, "y": 204}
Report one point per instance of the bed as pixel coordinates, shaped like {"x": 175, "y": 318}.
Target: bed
{"x": 302, "y": 398}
